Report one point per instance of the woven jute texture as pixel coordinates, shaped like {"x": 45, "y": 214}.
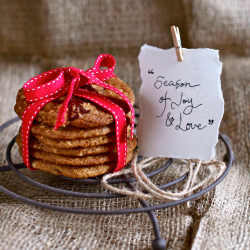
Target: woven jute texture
{"x": 36, "y": 36}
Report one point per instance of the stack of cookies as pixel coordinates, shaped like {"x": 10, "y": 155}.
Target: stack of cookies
{"x": 86, "y": 145}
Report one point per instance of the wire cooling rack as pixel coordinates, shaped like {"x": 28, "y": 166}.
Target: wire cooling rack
{"x": 158, "y": 243}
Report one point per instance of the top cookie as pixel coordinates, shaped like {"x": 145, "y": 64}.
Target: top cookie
{"x": 81, "y": 112}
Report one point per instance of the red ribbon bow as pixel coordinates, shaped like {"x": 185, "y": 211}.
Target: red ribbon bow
{"x": 53, "y": 84}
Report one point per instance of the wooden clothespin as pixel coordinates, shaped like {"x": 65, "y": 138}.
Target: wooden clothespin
{"x": 177, "y": 42}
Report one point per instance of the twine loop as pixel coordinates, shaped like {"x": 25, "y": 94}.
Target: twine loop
{"x": 151, "y": 191}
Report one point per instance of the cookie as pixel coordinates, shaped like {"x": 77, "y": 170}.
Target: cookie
{"x": 110, "y": 147}
{"x": 74, "y": 143}
{"x": 70, "y": 132}
{"x": 79, "y": 172}
{"x": 75, "y": 161}
{"x": 94, "y": 159}
{"x": 85, "y": 143}
{"x": 36, "y": 144}
{"x": 81, "y": 112}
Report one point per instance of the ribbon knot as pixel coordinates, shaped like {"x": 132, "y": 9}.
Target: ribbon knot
{"x": 53, "y": 84}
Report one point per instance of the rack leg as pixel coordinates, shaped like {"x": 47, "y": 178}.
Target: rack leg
{"x": 158, "y": 243}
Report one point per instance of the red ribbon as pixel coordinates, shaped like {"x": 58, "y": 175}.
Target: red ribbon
{"x": 52, "y": 84}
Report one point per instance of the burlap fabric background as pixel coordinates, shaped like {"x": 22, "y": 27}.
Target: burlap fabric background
{"x": 36, "y": 36}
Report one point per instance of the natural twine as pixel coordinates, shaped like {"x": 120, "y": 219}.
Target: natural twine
{"x": 153, "y": 192}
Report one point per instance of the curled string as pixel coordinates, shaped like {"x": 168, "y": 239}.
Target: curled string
{"x": 152, "y": 191}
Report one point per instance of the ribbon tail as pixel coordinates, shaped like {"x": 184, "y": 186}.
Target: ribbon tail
{"x": 60, "y": 119}
{"x": 120, "y": 123}
{"x": 28, "y": 117}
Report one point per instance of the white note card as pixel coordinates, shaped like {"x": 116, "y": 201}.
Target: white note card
{"x": 181, "y": 103}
